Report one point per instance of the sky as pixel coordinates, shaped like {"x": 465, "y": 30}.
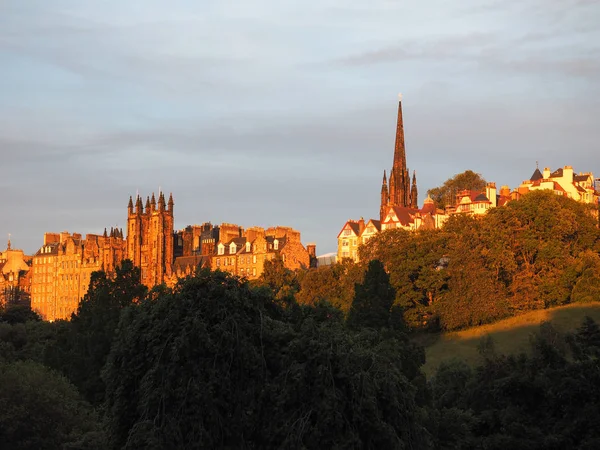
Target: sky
{"x": 281, "y": 113}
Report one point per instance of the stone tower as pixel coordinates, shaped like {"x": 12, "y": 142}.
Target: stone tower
{"x": 150, "y": 238}
{"x": 399, "y": 192}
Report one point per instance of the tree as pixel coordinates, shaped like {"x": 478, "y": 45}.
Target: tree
{"x": 334, "y": 284}
{"x": 220, "y": 364}
{"x": 282, "y": 281}
{"x": 373, "y": 299}
{"x": 18, "y": 313}
{"x": 445, "y": 195}
{"x": 40, "y": 409}
{"x": 81, "y": 350}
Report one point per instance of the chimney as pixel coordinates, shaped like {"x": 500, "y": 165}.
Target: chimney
{"x": 361, "y": 226}
{"x": 505, "y": 191}
{"x": 568, "y": 174}
{"x": 490, "y": 193}
{"x": 546, "y": 173}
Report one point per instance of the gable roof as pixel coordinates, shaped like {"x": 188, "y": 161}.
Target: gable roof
{"x": 404, "y": 214}
{"x": 352, "y": 225}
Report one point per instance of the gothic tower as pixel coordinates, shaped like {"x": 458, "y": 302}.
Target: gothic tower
{"x": 400, "y": 192}
{"x": 150, "y": 238}
{"x": 414, "y": 193}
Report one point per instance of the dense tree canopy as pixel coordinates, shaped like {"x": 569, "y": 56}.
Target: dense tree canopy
{"x": 537, "y": 252}
{"x": 334, "y": 284}
{"x": 266, "y": 377}
{"x": 542, "y": 400}
{"x": 83, "y": 345}
{"x": 40, "y": 409}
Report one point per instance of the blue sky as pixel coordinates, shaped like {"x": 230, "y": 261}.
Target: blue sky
{"x": 281, "y": 113}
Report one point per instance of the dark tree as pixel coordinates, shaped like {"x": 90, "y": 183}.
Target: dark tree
{"x": 40, "y": 409}
{"x": 219, "y": 364}
{"x": 373, "y": 299}
{"x": 81, "y": 350}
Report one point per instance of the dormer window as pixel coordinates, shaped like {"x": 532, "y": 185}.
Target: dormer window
{"x": 232, "y": 248}
{"x": 276, "y": 244}
{"x": 221, "y": 249}
{"x": 248, "y": 247}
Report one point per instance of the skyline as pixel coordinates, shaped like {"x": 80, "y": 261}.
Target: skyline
{"x": 262, "y": 114}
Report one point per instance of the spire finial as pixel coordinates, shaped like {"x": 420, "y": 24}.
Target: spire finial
{"x": 400, "y": 96}
{"x": 537, "y": 165}
{"x": 8, "y": 248}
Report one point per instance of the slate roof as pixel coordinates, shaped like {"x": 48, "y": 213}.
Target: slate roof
{"x": 537, "y": 175}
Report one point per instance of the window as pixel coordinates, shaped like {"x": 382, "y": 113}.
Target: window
{"x": 254, "y": 260}
{"x": 276, "y": 244}
{"x": 218, "y": 262}
{"x": 254, "y": 271}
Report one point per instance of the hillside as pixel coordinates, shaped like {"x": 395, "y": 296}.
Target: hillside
{"x": 510, "y": 335}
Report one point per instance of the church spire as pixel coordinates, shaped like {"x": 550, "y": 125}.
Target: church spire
{"x": 399, "y": 149}
{"x": 385, "y": 198}
{"x": 414, "y": 195}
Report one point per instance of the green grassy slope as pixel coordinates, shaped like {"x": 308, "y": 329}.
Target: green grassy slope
{"x": 510, "y": 335}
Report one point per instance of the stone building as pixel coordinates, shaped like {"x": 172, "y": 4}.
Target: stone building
{"x": 15, "y": 276}
{"x": 62, "y": 269}
{"x": 150, "y": 238}
{"x": 246, "y": 254}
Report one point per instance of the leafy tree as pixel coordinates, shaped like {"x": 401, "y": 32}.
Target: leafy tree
{"x": 537, "y": 401}
{"x": 282, "y": 281}
{"x": 219, "y": 364}
{"x": 373, "y": 299}
{"x": 81, "y": 350}
{"x": 445, "y": 194}
{"x": 334, "y": 284}
{"x": 18, "y": 313}
{"x": 40, "y": 409}
{"x": 412, "y": 261}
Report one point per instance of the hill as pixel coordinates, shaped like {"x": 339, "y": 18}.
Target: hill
{"x": 510, "y": 335}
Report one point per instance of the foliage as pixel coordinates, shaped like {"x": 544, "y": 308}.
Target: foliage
{"x": 446, "y": 193}
{"x": 334, "y": 283}
{"x": 265, "y": 377}
{"x": 546, "y": 400}
{"x": 373, "y": 299}
{"x": 18, "y": 313}
{"x": 83, "y": 344}
{"x": 40, "y": 409}
{"x": 282, "y": 281}
{"x": 412, "y": 261}
{"x": 538, "y": 252}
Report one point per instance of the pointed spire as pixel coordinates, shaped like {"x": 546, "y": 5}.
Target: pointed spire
{"x": 147, "y": 204}
{"x": 105, "y": 233}
{"x": 384, "y": 177}
{"x": 161, "y": 202}
{"x": 138, "y": 205}
{"x": 414, "y": 193}
{"x": 399, "y": 149}
{"x": 8, "y": 246}
{"x": 153, "y": 202}
{"x": 130, "y": 205}
{"x": 171, "y": 202}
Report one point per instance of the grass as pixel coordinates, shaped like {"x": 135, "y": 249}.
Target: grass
{"x": 510, "y": 335}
